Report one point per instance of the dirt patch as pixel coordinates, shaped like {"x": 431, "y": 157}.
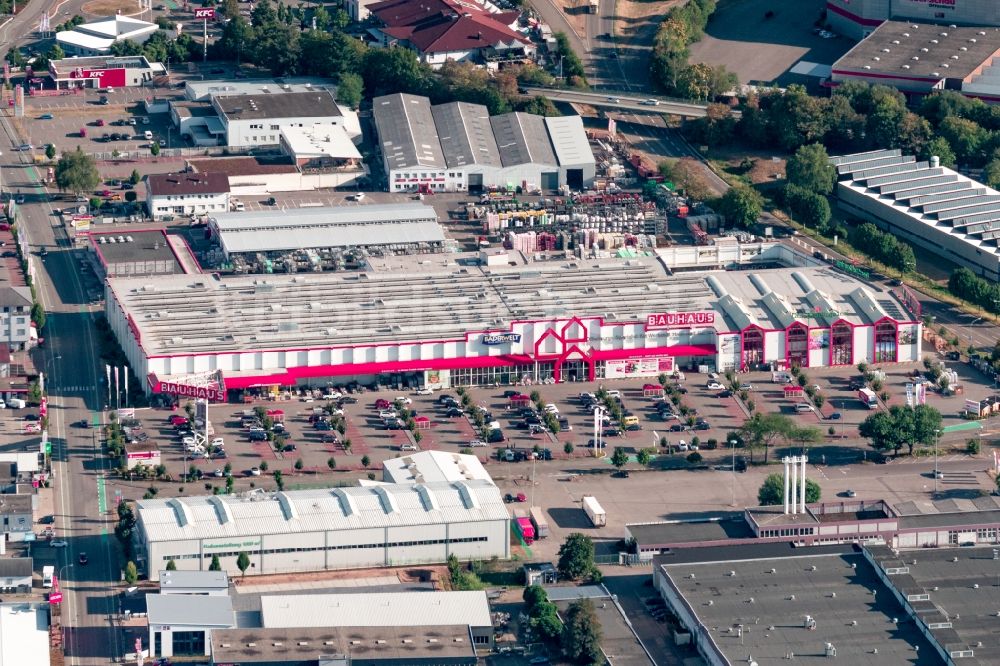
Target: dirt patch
{"x": 433, "y": 574}
{"x": 632, "y": 11}
{"x": 111, "y": 7}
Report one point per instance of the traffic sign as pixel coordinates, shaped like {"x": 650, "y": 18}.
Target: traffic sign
{"x": 48, "y": 448}
{"x": 55, "y": 598}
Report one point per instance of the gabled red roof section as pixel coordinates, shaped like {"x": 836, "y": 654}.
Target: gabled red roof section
{"x": 435, "y": 26}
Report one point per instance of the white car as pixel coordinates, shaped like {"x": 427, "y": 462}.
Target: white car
{"x": 551, "y": 409}
{"x": 255, "y": 471}
{"x": 476, "y": 443}
{"x": 336, "y": 412}
{"x": 219, "y": 442}
{"x": 58, "y": 544}
{"x": 333, "y": 395}
{"x": 424, "y": 391}
{"x": 188, "y": 441}
{"x": 402, "y": 400}
{"x": 218, "y": 473}
{"x": 409, "y": 447}
{"x": 715, "y": 386}
{"x": 387, "y": 414}
{"x": 614, "y": 393}
{"x": 32, "y": 426}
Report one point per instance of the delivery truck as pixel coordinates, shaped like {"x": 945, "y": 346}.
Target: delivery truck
{"x": 48, "y": 573}
{"x": 525, "y": 529}
{"x": 868, "y": 398}
{"x": 594, "y": 511}
{"x": 538, "y": 520}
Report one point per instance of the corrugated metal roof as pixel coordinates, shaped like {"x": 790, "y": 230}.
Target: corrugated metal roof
{"x": 522, "y": 139}
{"x": 227, "y": 516}
{"x": 388, "y": 609}
{"x": 434, "y": 467}
{"x": 569, "y": 140}
{"x": 178, "y": 609}
{"x": 263, "y": 231}
{"x": 407, "y": 132}
{"x": 466, "y": 134}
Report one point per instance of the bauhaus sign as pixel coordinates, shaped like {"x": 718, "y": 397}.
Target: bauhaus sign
{"x": 679, "y": 319}
{"x": 206, "y": 392}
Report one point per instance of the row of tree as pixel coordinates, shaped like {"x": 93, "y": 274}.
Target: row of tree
{"x": 761, "y": 431}
{"x": 669, "y": 66}
{"x": 883, "y": 246}
{"x": 967, "y": 285}
{"x": 901, "y": 426}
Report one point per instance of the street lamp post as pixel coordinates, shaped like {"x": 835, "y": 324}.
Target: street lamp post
{"x": 732, "y": 445}
{"x": 937, "y": 435}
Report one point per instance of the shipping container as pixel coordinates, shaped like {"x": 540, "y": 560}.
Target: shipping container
{"x": 538, "y": 520}
{"x": 525, "y": 529}
{"x": 594, "y": 511}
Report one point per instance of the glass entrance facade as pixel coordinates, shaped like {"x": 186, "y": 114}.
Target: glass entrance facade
{"x": 505, "y": 375}
{"x": 841, "y": 344}
{"x": 885, "y": 342}
{"x": 797, "y": 339}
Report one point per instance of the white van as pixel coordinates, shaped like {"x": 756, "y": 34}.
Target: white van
{"x": 238, "y": 205}
{"x": 147, "y": 135}
{"x": 48, "y": 573}
{"x": 16, "y": 403}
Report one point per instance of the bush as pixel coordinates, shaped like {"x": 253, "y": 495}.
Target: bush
{"x": 694, "y": 458}
{"x": 972, "y": 447}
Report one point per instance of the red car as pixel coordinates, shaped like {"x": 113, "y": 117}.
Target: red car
{"x": 176, "y": 420}
{"x": 100, "y": 122}
{"x": 382, "y": 403}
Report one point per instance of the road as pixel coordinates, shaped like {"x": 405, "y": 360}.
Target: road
{"x": 73, "y": 385}
{"x": 622, "y": 102}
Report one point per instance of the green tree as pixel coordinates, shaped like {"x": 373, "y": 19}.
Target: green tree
{"x": 135, "y": 177}
{"x": 619, "y": 458}
{"x": 810, "y": 169}
{"x": 576, "y": 557}
{"x": 393, "y": 70}
{"x": 299, "y": 464}
{"x": 880, "y": 429}
{"x": 741, "y": 206}
{"x": 331, "y": 463}
{"x": 568, "y": 448}
{"x": 154, "y": 148}
{"x": 350, "y": 89}
{"x": 809, "y": 208}
{"x": 216, "y": 565}
{"x": 279, "y": 480}
{"x": 243, "y": 562}
{"x": 171, "y": 565}
{"x": 644, "y": 457}
{"x": 540, "y": 106}
{"x": 534, "y": 596}
{"x": 991, "y": 173}
{"x": 76, "y": 172}
{"x": 772, "y": 491}
{"x": 365, "y": 461}
{"x": 131, "y": 573}
{"x": 50, "y": 151}
{"x": 940, "y": 148}
{"x": 760, "y": 431}
{"x": 581, "y": 634}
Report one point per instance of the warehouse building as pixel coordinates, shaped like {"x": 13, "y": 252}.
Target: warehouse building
{"x": 919, "y": 58}
{"x": 386, "y": 227}
{"x": 458, "y": 147}
{"x": 140, "y": 252}
{"x": 440, "y": 323}
{"x": 926, "y": 204}
{"x": 434, "y": 467}
{"x": 859, "y": 18}
{"x": 253, "y": 121}
{"x": 314, "y": 530}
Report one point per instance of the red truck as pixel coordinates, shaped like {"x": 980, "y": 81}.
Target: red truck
{"x": 525, "y": 529}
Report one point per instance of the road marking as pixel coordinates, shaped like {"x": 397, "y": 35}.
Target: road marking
{"x": 102, "y": 503}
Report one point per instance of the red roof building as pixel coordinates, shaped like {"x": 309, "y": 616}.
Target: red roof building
{"x": 442, "y": 30}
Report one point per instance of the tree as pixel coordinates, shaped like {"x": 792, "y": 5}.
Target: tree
{"x": 171, "y": 565}
{"x": 619, "y": 458}
{"x": 131, "y": 196}
{"x": 761, "y": 430}
{"x": 154, "y": 148}
{"x": 533, "y": 596}
{"x": 581, "y": 635}
{"x": 940, "y": 148}
{"x": 809, "y": 208}
{"x": 279, "y": 480}
{"x": 50, "y": 151}
{"x": 805, "y": 435}
{"x": 76, "y": 172}
{"x": 576, "y": 557}
{"x": 991, "y": 173}
{"x": 772, "y": 491}
{"x": 810, "y": 169}
{"x": 216, "y": 565}
{"x": 644, "y": 457}
{"x": 135, "y": 177}
{"x": 881, "y": 429}
{"x": 331, "y": 463}
{"x": 741, "y": 206}
{"x": 131, "y": 573}
{"x": 350, "y": 89}
{"x": 689, "y": 175}
{"x": 365, "y": 461}
{"x": 299, "y": 464}
{"x": 568, "y": 448}
{"x": 243, "y": 562}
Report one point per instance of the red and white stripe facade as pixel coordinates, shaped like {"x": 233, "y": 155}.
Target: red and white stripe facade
{"x": 563, "y": 348}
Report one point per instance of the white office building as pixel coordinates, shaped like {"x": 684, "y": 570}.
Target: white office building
{"x": 334, "y": 528}
{"x": 97, "y": 38}
{"x": 252, "y": 121}
{"x": 171, "y": 194}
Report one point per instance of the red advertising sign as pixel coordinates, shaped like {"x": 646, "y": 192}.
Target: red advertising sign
{"x": 207, "y": 392}
{"x": 143, "y": 455}
{"x": 106, "y": 78}
{"x": 55, "y": 598}
{"x": 204, "y": 13}
{"x": 679, "y": 319}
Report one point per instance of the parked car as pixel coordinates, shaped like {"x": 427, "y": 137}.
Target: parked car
{"x": 715, "y": 386}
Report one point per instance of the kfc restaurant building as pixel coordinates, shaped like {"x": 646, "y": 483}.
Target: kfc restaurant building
{"x": 549, "y": 324}
{"x": 103, "y": 72}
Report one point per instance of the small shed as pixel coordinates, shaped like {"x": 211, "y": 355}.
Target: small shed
{"x": 422, "y": 422}
{"x": 520, "y": 400}
{"x": 652, "y": 391}
{"x": 277, "y": 415}
{"x": 793, "y": 392}
{"x": 540, "y": 573}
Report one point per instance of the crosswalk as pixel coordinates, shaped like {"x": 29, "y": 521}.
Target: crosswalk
{"x": 70, "y": 389}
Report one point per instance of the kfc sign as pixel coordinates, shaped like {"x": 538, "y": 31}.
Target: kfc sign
{"x": 679, "y": 319}
{"x": 205, "y": 13}
{"x": 106, "y": 78}
{"x": 206, "y": 392}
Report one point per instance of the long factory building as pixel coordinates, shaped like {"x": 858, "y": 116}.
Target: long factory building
{"x": 441, "y": 323}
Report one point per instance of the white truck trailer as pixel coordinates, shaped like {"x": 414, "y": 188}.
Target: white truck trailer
{"x": 594, "y": 511}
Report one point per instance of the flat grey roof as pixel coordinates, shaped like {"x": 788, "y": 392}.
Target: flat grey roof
{"x": 360, "y": 644}
{"x": 384, "y": 609}
{"x": 313, "y": 104}
{"x": 180, "y": 610}
{"x": 948, "y": 576}
{"x": 950, "y": 519}
{"x": 912, "y": 49}
{"x": 407, "y": 133}
{"x": 209, "y": 580}
{"x": 466, "y": 134}
{"x": 138, "y": 246}
{"x": 16, "y": 567}
{"x": 307, "y": 228}
{"x": 650, "y": 535}
{"x": 746, "y": 610}
{"x": 522, "y": 139}
{"x": 569, "y": 141}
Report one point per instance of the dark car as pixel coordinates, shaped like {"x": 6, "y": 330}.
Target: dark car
{"x": 31, "y": 417}
{"x": 128, "y": 186}
{"x": 725, "y": 394}
{"x": 453, "y": 412}
{"x": 218, "y": 70}
{"x": 348, "y": 400}
{"x": 835, "y": 416}
{"x": 271, "y": 201}
{"x": 678, "y": 427}
{"x": 510, "y": 394}
{"x": 83, "y": 559}
{"x": 323, "y": 425}
{"x": 257, "y": 436}
{"x": 288, "y": 447}
{"x": 495, "y": 437}
{"x": 633, "y": 427}
{"x": 82, "y": 423}
{"x": 612, "y": 432}
{"x": 702, "y": 426}
{"x": 444, "y": 397}
{"x": 545, "y": 454}
{"x": 741, "y": 464}
{"x": 818, "y": 255}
